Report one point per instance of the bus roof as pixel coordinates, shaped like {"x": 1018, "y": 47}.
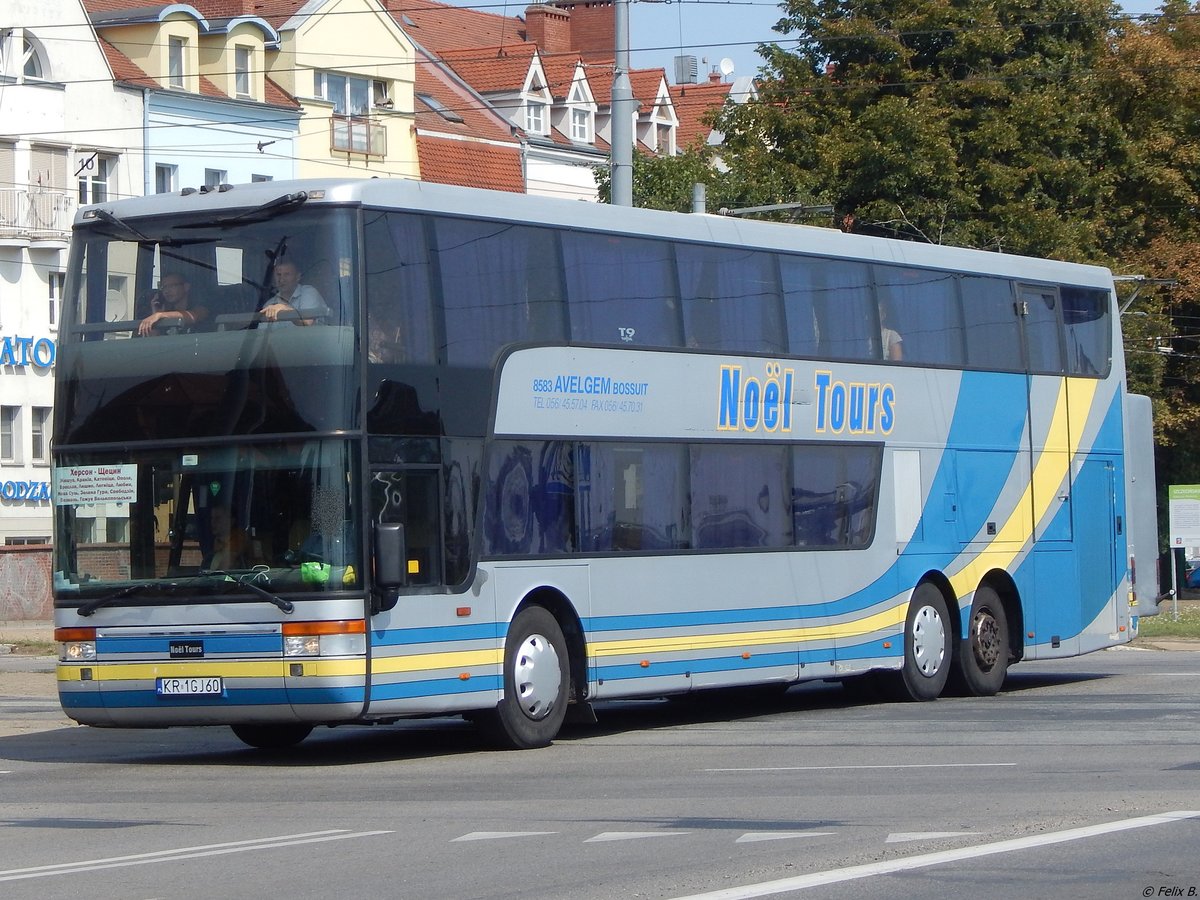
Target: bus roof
{"x": 420, "y": 196}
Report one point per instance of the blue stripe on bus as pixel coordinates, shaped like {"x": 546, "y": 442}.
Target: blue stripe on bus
{"x": 435, "y": 687}
{"x": 683, "y": 666}
{"x": 436, "y": 634}
{"x": 224, "y": 643}
{"x": 110, "y": 699}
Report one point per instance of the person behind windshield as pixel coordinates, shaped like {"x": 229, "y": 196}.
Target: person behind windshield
{"x": 171, "y": 307}
{"x": 292, "y": 296}
{"x": 231, "y": 548}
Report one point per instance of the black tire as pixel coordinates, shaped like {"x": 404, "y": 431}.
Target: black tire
{"x": 982, "y": 662}
{"x": 928, "y": 648}
{"x": 272, "y": 737}
{"x": 536, "y": 683}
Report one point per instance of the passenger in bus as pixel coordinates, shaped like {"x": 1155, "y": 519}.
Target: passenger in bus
{"x": 890, "y": 339}
{"x": 171, "y": 307}
{"x": 292, "y": 296}
{"x": 231, "y": 546}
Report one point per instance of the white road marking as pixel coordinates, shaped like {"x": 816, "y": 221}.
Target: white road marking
{"x": 498, "y": 835}
{"x": 142, "y": 859}
{"x": 630, "y": 835}
{"x": 751, "y": 837}
{"x": 899, "y": 766}
{"x": 900, "y": 837}
{"x": 852, "y": 873}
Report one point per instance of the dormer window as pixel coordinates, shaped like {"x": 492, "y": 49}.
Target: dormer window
{"x": 581, "y": 111}
{"x": 581, "y": 125}
{"x": 176, "y": 66}
{"x": 243, "y": 58}
{"x": 535, "y": 116}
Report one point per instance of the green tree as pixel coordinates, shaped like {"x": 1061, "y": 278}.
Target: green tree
{"x": 960, "y": 122}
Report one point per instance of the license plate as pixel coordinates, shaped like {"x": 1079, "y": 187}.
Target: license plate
{"x": 183, "y": 687}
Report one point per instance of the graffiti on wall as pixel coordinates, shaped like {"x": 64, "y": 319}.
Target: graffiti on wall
{"x": 25, "y": 587}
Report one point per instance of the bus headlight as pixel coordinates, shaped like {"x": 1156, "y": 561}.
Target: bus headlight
{"x": 76, "y": 645}
{"x": 344, "y": 638}
{"x": 77, "y": 651}
{"x": 302, "y": 645}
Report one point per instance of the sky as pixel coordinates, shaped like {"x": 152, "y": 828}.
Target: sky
{"x": 721, "y": 29}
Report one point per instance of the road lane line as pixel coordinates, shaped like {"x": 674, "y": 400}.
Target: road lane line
{"x": 881, "y": 766}
{"x": 142, "y": 859}
{"x": 852, "y": 873}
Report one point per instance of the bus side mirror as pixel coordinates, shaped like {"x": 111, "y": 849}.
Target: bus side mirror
{"x": 389, "y": 562}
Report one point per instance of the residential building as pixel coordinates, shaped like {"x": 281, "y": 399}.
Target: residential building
{"x": 68, "y": 135}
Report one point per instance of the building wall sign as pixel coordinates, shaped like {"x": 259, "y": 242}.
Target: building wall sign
{"x": 27, "y": 351}
{"x": 24, "y": 491}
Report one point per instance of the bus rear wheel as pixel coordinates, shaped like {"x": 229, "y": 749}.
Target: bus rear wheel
{"x": 928, "y": 648}
{"x": 272, "y": 737}
{"x": 536, "y": 683}
{"x": 982, "y": 663}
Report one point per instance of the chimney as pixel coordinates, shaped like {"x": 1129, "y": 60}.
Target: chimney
{"x": 549, "y": 27}
{"x": 593, "y": 28}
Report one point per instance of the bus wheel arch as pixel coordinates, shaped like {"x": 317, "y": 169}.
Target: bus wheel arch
{"x": 990, "y": 639}
{"x": 929, "y": 637}
{"x": 539, "y": 670}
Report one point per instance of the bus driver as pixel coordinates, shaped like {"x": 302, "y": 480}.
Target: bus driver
{"x": 292, "y": 296}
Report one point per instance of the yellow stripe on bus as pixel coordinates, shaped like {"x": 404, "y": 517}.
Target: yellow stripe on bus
{"x": 888, "y": 619}
{"x": 274, "y": 668}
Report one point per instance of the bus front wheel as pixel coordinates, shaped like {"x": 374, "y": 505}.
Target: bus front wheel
{"x": 536, "y": 680}
{"x": 982, "y": 663}
{"x": 927, "y": 648}
{"x": 272, "y": 737}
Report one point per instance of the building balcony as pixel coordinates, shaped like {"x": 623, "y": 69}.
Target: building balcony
{"x": 357, "y": 134}
{"x": 35, "y": 217}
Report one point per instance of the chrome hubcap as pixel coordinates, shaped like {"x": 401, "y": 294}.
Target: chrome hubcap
{"x": 537, "y": 676}
{"x": 929, "y": 641}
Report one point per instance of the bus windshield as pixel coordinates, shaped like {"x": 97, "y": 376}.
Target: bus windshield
{"x": 275, "y": 514}
{"x": 216, "y": 309}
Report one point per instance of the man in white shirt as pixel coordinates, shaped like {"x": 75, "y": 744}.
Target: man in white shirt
{"x": 293, "y": 297}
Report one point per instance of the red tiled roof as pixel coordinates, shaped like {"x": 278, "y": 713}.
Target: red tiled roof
{"x": 441, "y": 28}
{"x": 492, "y": 69}
{"x": 692, "y": 103}
{"x": 480, "y": 151}
{"x": 470, "y": 164}
{"x": 124, "y": 69}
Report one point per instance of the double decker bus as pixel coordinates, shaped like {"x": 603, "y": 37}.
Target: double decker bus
{"x": 526, "y": 455}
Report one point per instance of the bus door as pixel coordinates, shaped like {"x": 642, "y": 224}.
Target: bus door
{"x": 1097, "y": 532}
{"x": 1049, "y": 429}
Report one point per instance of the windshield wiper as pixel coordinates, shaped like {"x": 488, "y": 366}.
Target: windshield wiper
{"x": 109, "y": 219}
{"x": 286, "y": 605}
{"x": 92, "y": 605}
{"x": 271, "y": 209}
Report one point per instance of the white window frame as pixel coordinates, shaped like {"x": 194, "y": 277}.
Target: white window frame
{"x": 96, "y": 175}
{"x": 537, "y": 116}
{"x": 31, "y": 64}
{"x": 177, "y": 63}
{"x": 10, "y": 434}
{"x": 39, "y": 433}
{"x": 56, "y": 283}
{"x": 243, "y": 61}
{"x": 215, "y": 177}
{"x": 166, "y": 178}
{"x": 343, "y": 98}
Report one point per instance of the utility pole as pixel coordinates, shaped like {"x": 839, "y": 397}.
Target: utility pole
{"x": 621, "y": 160}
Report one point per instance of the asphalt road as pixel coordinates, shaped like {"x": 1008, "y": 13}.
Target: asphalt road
{"x": 1082, "y": 779}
